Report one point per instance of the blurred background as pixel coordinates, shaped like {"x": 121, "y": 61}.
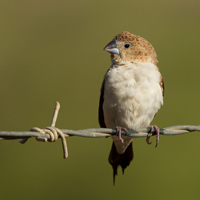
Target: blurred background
{"x": 53, "y": 51}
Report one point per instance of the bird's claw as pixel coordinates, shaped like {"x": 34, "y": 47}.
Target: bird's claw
{"x": 119, "y": 133}
{"x": 157, "y": 134}
{"x": 147, "y": 140}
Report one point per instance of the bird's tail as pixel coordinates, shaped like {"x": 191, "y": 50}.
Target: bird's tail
{"x": 123, "y": 160}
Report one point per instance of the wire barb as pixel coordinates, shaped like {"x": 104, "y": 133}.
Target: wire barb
{"x": 53, "y": 132}
{"x": 55, "y": 114}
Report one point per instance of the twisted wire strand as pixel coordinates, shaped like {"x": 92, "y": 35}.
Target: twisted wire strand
{"x": 101, "y": 132}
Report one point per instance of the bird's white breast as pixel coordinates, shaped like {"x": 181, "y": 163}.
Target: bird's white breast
{"x": 132, "y": 95}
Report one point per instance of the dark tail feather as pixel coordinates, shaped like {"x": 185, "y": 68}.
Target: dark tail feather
{"x": 123, "y": 160}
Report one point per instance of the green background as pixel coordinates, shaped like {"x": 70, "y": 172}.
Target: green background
{"x": 53, "y": 51}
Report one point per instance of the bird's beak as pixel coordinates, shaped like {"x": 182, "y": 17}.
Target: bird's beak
{"x": 111, "y": 47}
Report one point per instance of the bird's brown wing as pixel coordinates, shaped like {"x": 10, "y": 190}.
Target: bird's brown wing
{"x": 101, "y": 100}
{"x": 161, "y": 83}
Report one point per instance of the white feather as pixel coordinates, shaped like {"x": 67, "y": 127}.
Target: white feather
{"x": 132, "y": 97}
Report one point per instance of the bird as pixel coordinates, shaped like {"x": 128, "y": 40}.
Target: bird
{"x": 131, "y": 94}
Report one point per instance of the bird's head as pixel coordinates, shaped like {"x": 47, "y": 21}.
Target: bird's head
{"x": 126, "y": 47}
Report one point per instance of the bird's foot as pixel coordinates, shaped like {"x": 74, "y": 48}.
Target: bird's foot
{"x": 119, "y": 132}
{"x": 157, "y": 134}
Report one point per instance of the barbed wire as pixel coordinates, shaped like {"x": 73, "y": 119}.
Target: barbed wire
{"x": 51, "y": 133}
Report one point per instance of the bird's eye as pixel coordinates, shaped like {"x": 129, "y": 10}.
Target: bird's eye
{"x": 127, "y": 45}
